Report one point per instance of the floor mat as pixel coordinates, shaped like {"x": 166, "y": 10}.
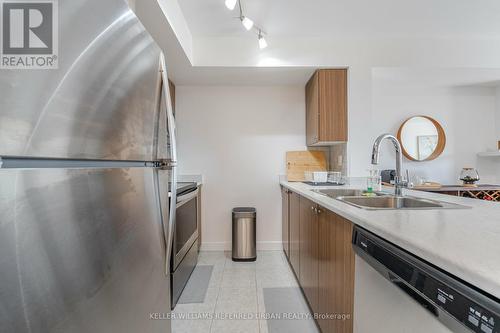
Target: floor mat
{"x": 288, "y": 311}
{"x": 197, "y": 286}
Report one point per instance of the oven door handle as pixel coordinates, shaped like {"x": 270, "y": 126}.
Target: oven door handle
{"x": 183, "y": 199}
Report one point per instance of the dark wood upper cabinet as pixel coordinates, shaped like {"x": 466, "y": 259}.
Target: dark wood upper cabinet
{"x": 308, "y": 276}
{"x": 294, "y": 232}
{"x": 336, "y": 272}
{"x": 326, "y": 107}
{"x": 285, "y": 227}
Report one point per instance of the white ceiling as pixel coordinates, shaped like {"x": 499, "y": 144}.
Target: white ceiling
{"x": 298, "y": 30}
{"x": 344, "y": 18}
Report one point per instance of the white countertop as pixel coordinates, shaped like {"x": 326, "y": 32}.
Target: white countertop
{"x": 463, "y": 242}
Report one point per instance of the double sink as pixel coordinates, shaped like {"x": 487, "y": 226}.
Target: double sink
{"x": 384, "y": 201}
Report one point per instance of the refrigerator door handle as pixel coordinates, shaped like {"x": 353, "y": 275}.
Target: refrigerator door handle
{"x": 170, "y": 113}
{"x": 170, "y": 164}
{"x": 166, "y": 164}
{"x": 170, "y": 228}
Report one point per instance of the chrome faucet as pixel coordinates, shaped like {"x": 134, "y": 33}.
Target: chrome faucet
{"x": 399, "y": 182}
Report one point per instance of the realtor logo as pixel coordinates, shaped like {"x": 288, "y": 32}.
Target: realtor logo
{"x": 29, "y": 34}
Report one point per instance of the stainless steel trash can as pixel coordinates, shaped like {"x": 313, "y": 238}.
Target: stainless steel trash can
{"x": 244, "y": 234}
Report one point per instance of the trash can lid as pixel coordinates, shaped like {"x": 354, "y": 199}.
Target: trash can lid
{"x": 244, "y": 210}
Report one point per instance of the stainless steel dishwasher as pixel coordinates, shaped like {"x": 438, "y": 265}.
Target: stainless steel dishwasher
{"x": 396, "y": 291}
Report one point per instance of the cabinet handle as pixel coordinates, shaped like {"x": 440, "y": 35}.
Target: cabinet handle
{"x": 312, "y": 207}
{"x": 319, "y": 211}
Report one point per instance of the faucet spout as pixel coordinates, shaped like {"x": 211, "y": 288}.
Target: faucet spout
{"x": 399, "y": 181}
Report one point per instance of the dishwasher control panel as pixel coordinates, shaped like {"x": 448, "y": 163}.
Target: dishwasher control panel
{"x": 480, "y": 318}
{"x": 470, "y": 313}
{"x": 455, "y": 303}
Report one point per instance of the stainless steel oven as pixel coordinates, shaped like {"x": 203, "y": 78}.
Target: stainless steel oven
{"x": 186, "y": 225}
{"x": 185, "y": 242}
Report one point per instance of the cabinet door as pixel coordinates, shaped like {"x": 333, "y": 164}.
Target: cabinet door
{"x": 332, "y": 85}
{"x": 309, "y": 252}
{"x": 294, "y": 219}
{"x": 336, "y": 272}
{"x": 312, "y": 110}
{"x": 285, "y": 221}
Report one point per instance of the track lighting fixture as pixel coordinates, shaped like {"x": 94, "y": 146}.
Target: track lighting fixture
{"x": 247, "y": 22}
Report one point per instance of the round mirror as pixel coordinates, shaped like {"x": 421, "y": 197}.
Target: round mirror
{"x": 422, "y": 138}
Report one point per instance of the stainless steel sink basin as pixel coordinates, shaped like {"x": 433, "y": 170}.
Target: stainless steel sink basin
{"x": 343, "y": 192}
{"x": 385, "y": 201}
{"x": 392, "y": 202}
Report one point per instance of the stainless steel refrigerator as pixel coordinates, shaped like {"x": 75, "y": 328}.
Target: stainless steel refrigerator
{"x": 87, "y": 152}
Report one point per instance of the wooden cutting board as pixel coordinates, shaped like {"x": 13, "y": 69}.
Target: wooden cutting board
{"x": 428, "y": 185}
{"x": 299, "y": 162}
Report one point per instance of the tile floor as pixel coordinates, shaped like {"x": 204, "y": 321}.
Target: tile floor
{"x": 235, "y": 300}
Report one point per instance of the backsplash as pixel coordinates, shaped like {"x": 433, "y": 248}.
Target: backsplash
{"x": 336, "y": 157}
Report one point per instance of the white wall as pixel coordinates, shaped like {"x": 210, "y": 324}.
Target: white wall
{"x": 236, "y": 137}
{"x": 497, "y": 114}
{"x": 467, "y": 114}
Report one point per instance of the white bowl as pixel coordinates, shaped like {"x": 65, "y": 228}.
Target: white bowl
{"x": 320, "y": 176}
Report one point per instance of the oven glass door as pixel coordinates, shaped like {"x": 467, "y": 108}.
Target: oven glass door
{"x": 186, "y": 225}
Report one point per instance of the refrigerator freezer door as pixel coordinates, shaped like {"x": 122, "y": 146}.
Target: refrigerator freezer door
{"x": 82, "y": 251}
{"x": 99, "y": 104}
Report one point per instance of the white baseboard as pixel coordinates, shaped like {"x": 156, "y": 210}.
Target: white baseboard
{"x": 215, "y": 246}
{"x": 269, "y": 246}
{"x": 226, "y": 246}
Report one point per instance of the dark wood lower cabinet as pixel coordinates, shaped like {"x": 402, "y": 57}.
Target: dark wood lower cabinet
{"x": 336, "y": 273}
{"x": 294, "y": 232}
{"x": 322, "y": 258}
{"x": 308, "y": 277}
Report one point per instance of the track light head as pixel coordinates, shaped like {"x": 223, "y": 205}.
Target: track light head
{"x": 262, "y": 41}
{"x": 247, "y": 23}
{"x": 230, "y": 4}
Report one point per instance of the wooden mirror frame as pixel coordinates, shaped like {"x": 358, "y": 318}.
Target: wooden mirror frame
{"x": 440, "y": 145}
